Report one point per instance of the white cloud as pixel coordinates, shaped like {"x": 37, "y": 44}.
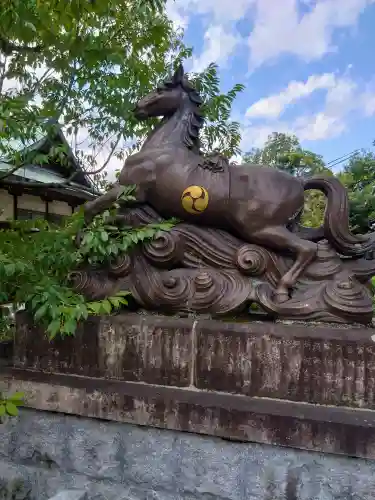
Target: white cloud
{"x": 220, "y": 38}
{"x": 179, "y": 19}
{"x": 369, "y": 105}
{"x": 341, "y": 100}
{"x": 368, "y": 100}
{"x": 319, "y": 126}
{"x": 256, "y": 136}
{"x": 279, "y": 28}
{"x": 344, "y": 97}
{"x": 218, "y": 47}
{"x": 273, "y": 106}
{"x": 221, "y": 10}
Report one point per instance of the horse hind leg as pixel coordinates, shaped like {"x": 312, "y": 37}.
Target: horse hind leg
{"x": 280, "y": 238}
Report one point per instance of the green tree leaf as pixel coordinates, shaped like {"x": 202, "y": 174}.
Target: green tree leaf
{"x": 53, "y": 328}
{"x": 106, "y": 307}
{"x": 17, "y": 396}
{"x": 95, "y": 307}
{"x": 11, "y": 409}
{"x": 104, "y": 236}
{"x": 41, "y": 311}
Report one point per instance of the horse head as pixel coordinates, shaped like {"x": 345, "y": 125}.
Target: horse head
{"x": 176, "y": 96}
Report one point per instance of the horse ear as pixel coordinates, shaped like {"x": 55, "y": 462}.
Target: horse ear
{"x": 179, "y": 74}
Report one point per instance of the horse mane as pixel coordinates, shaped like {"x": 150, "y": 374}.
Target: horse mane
{"x": 195, "y": 118}
{"x": 215, "y": 162}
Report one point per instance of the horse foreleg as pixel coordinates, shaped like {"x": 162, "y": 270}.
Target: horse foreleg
{"x": 99, "y": 205}
{"x": 281, "y": 238}
{"x": 102, "y": 203}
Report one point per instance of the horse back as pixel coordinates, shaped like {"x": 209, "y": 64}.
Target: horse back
{"x": 267, "y": 195}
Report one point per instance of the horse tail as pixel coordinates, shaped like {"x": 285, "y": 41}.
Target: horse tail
{"x": 335, "y": 227}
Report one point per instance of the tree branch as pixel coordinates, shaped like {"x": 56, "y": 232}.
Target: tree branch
{"x": 7, "y": 47}
{"x": 108, "y": 158}
{"x": 65, "y": 99}
{"x": 3, "y": 72}
{"x": 57, "y": 116}
{"x": 39, "y": 81}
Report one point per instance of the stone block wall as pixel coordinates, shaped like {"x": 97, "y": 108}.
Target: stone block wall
{"x": 44, "y": 454}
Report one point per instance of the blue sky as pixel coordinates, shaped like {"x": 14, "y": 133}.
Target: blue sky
{"x": 308, "y": 66}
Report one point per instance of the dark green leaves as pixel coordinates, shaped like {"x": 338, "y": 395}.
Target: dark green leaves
{"x": 11, "y": 409}
{"x": 84, "y": 62}
{"x": 108, "y": 305}
{"x": 359, "y": 178}
{"x": 9, "y": 404}
{"x": 103, "y": 240}
{"x": 220, "y": 132}
{"x": 35, "y": 268}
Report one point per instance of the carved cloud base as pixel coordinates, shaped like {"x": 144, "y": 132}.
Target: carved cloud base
{"x": 193, "y": 269}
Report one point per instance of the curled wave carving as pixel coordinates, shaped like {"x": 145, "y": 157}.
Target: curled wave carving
{"x": 348, "y": 297}
{"x": 93, "y": 285}
{"x": 120, "y": 266}
{"x": 164, "y": 250}
{"x": 154, "y": 289}
{"x": 205, "y": 270}
{"x": 252, "y": 260}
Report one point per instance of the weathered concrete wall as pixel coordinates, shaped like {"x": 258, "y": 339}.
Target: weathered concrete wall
{"x": 45, "y": 453}
{"x": 308, "y": 387}
{"x": 327, "y": 365}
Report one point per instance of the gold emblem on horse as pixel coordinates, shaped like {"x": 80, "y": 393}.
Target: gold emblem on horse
{"x": 194, "y": 199}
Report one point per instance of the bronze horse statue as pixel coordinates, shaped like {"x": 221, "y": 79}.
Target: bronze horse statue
{"x": 260, "y": 205}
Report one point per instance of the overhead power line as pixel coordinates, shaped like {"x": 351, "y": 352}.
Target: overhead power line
{"x": 343, "y": 158}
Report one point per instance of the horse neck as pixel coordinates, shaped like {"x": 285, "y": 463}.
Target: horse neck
{"x": 172, "y": 130}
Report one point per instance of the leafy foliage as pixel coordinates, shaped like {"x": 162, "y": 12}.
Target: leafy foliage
{"x": 277, "y": 146}
{"x": 103, "y": 240}
{"x": 83, "y": 63}
{"x": 285, "y": 152}
{"x": 359, "y": 178}
{"x": 9, "y": 404}
{"x": 6, "y": 323}
{"x": 35, "y": 267}
{"x": 86, "y": 64}
{"x": 220, "y": 132}
{"x": 358, "y": 175}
